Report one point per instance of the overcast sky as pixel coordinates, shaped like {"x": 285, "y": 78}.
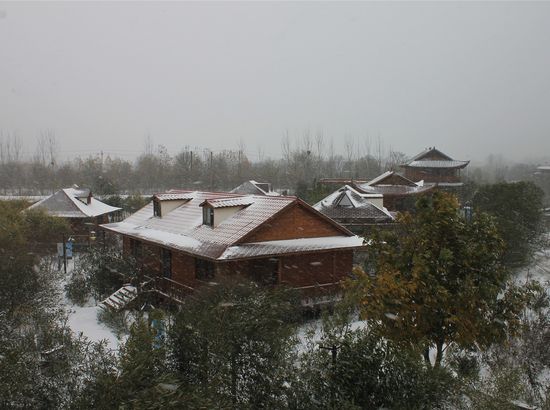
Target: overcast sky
{"x": 470, "y": 78}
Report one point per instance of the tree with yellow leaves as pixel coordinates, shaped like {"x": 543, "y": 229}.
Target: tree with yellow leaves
{"x": 439, "y": 280}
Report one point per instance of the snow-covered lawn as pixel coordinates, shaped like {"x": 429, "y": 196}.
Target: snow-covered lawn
{"x": 84, "y": 319}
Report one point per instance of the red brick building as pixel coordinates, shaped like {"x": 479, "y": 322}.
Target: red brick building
{"x": 188, "y": 238}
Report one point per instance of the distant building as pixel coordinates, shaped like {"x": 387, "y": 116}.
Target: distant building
{"x": 432, "y": 165}
{"x": 356, "y": 210}
{"x": 254, "y": 188}
{"x": 188, "y": 238}
{"x": 341, "y": 181}
{"x": 79, "y": 207}
{"x": 399, "y": 193}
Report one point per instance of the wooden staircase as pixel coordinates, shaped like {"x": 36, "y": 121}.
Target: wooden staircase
{"x": 120, "y": 299}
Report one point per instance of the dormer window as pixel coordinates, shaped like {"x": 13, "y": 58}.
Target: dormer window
{"x": 208, "y": 215}
{"x": 156, "y": 208}
{"x": 84, "y": 196}
{"x": 165, "y": 203}
{"x": 345, "y": 201}
{"x": 224, "y": 208}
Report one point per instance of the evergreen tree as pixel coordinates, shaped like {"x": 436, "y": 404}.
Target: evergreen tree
{"x": 232, "y": 343}
{"x": 42, "y": 365}
{"x": 517, "y": 208}
{"x": 360, "y": 370}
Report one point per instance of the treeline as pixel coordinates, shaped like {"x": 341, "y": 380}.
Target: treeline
{"x": 304, "y": 161}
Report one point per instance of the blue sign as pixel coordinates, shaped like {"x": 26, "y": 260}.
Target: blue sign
{"x": 69, "y": 249}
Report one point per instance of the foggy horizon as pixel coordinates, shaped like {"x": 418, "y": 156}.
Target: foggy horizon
{"x": 469, "y": 78}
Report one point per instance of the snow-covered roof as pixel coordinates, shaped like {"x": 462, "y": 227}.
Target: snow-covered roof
{"x": 183, "y": 227}
{"x": 254, "y": 188}
{"x": 342, "y": 181}
{"x": 73, "y": 203}
{"x": 171, "y": 239}
{"x": 437, "y": 164}
{"x": 395, "y": 176}
{"x": 228, "y": 202}
{"x": 171, "y": 196}
{"x": 349, "y": 203}
{"x": 432, "y": 152}
{"x": 302, "y": 245}
{"x": 434, "y": 158}
{"x": 396, "y": 190}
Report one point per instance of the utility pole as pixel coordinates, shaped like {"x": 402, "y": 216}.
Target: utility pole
{"x": 211, "y": 171}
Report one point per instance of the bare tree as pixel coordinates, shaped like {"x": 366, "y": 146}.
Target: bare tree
{"x": 379, "y": 155}
{"x": 286, "y": 146}
{"x": 349, "y": 146}
{"x": 241, "y": 147}
{"x": 46, "y": 148}
{"x": 260, "y": 153}
{"x": 306, "y": 142}
{"x": 319, "y": 147}
{"x": 10, "y": 147}
{"x": 367, "y": 146}
{"x": 331, "y": 156}
{"x": 148, "y": 145}
{"x": 394, "y": 159}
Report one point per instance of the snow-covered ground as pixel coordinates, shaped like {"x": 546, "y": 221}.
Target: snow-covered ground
{"x": 84, "y": 319}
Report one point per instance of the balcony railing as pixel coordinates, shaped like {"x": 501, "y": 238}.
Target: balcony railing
{"x": 319, "y": 294}
{"x": 170, "y": 288}
{"x": 311, "y": 295}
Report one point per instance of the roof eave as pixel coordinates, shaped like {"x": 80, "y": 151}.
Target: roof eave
{"x": 293, "y": 253}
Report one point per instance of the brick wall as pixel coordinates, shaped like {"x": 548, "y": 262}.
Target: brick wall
{"x": 241, "y": 268}
{"x": 295, "y": 222}
{"x": 183, "y": 268}
{"x": 311, "y": 269}
{"x": 296, "y": 271}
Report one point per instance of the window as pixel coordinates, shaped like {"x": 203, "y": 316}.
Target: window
{"x": 265, "y": 271}
{"x": 208, "y": 215}
{"x": 166, "y": 263}
{"x": 156, "y": 208}
{"x": 135, "y": 248}
{"x": 204, "y": 270}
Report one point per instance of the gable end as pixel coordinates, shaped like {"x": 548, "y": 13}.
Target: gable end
{"x": 294, "y": 222}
